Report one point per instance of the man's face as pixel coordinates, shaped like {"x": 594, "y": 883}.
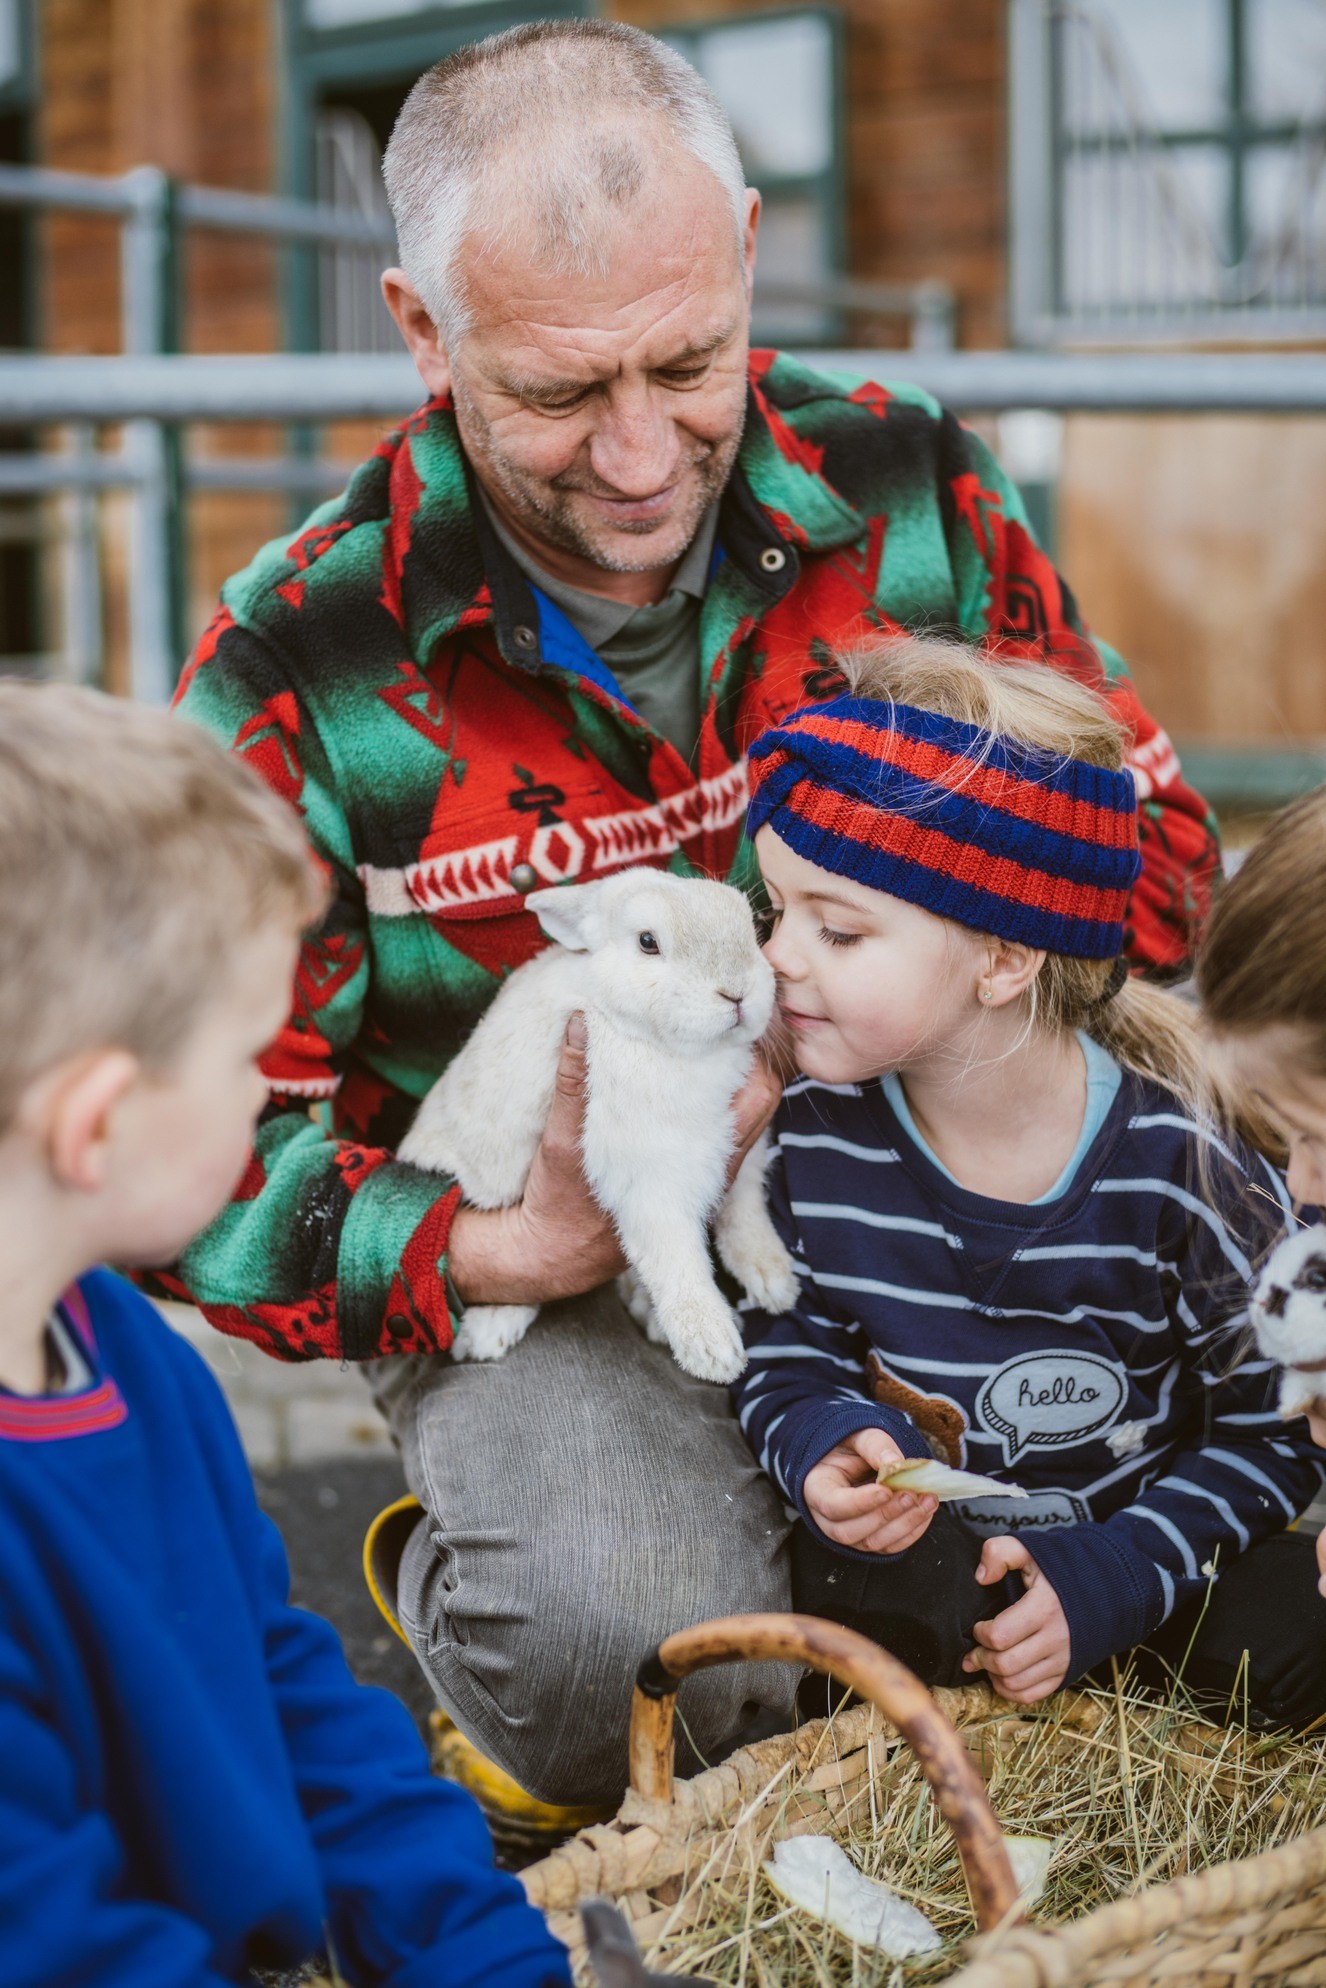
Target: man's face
{"x": 602, "y": 413}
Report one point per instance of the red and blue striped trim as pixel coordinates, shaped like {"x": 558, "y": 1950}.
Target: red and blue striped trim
{"x": 49, "y": 1418}
{"x": 974, "y": 827}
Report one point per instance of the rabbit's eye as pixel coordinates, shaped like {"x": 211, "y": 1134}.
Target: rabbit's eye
{"x": 1315, "y": 1279}
{"x": 648, "y": 943}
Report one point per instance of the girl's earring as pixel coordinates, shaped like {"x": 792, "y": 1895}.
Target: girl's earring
{"x": 987, "y": 993}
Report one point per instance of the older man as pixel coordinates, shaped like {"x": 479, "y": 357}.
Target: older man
{"x": 531, "y": 643}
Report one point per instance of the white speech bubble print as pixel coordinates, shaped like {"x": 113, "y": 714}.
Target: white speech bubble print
{"x": 1049, "y": 1400}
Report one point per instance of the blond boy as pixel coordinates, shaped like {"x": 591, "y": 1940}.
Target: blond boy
{"x": 191, "y": 1784}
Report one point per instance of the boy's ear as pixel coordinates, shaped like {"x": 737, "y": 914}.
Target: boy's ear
{"x": 569, "y": 913}
{"x": 78, "y": 1112}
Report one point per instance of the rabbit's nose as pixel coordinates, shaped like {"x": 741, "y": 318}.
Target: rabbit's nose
{"x": 735, "y": 999}
{"x": 1273, "y": 1304}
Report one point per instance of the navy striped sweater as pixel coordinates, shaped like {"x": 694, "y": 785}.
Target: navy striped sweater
{"x": 1088, "y": 1348}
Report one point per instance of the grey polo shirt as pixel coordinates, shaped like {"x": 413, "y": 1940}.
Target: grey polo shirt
{"x": 654, "y": 652}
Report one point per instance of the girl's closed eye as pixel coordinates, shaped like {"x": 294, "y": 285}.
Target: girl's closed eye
{"x": 833, "y": 938}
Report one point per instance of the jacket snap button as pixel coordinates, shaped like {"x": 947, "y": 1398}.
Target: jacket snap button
{"x": 773, "y": 559}
{"x": 524, "y": 638}
{"x": 524, "y": 877}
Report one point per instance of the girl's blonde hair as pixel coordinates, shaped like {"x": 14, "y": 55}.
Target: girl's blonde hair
{"x": 1148, "y": 1031}
{"x": 1262, "y": 963}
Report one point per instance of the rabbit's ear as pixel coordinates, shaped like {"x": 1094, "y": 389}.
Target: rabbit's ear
{"x": 613, "y": 1954}
{"x": 570, "y": 914}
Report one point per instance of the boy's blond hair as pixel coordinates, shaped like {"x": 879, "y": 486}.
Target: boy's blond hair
{"x": 134, "y": 853}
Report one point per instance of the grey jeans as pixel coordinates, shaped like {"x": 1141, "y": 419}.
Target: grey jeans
{"x": 583, "y": 1497}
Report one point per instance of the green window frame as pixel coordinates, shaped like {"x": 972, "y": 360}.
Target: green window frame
{"x": 381, "y": 47}
{"x": 819, "y": 194}
{"x": 1069, "y": 179}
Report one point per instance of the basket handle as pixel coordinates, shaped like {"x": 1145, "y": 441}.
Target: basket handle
{"x": 869, "y": 1670}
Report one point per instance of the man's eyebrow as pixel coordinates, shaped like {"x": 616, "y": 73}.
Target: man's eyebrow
{"x": 526, "y": 386}
{"x": 701, "y": 348}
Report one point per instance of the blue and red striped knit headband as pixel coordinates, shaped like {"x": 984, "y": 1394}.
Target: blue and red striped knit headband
{"x": 973, "y": 826}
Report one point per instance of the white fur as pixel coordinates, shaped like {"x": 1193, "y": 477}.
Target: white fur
{"x": 670, "y": 1039}
{"x": 1289, "y": 1315}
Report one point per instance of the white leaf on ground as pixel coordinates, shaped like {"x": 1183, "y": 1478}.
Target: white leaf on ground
{"x": 1031, "y": 1857}
{"x": 935, "y": 1480}
{"x": 813, "y": 1873}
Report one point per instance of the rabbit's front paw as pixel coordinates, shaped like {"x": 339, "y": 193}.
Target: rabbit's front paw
{"x": 1297, "y": 1393}
{"x": 704, "y": 1339}
{"x": 753, "y": 1250}
{"x": 769, "y": 1279}
{"x": 631, "y": 1290}
{"x": 488, "y": 1331}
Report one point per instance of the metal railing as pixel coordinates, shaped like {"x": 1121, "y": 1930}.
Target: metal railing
{"x": 150, "y": 464}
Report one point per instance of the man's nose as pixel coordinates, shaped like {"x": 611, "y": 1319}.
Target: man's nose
{"x": 635, "y": 447}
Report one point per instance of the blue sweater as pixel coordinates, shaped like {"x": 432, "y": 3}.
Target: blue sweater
{"x": 191, "y": 1783}
{"x": 1086, "y": 1348}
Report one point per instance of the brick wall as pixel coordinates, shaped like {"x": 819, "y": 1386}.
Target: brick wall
{"x": 189, "y": 85}
{"x": 925, "y": 141}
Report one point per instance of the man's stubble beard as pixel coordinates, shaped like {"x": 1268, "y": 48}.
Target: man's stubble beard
{"x": 555, "y": 521}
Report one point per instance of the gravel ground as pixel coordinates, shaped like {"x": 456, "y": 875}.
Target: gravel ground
{"x": 323, "y": 1510}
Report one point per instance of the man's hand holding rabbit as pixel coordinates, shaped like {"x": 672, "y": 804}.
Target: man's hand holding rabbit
{"x": 557, "y": 1242}
{"x": 850, "y": 1507}
{"x": 1026, "y": 1649}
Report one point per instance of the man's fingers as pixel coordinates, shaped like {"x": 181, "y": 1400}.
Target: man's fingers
{"x": 568, "y": 1105}
{"x": 754, "y": 1105}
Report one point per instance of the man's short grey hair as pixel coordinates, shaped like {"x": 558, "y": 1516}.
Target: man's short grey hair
{"x": 569, "y": 101}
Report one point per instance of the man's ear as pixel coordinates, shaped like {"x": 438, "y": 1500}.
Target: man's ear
{"x": 418, "y": 330}
{"x": 571, "y": 914}
{"x": 77, "y": 1113}
{"x": 748, "y": 236}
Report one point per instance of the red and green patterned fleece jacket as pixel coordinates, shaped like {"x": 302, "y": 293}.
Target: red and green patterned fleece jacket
{"x": 452, "y": 744}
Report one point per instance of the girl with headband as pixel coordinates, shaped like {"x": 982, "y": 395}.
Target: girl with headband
{"x": 1023, "y": 1219}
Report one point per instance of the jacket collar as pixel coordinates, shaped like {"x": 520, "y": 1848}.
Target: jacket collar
{"x": 452, "y": 571}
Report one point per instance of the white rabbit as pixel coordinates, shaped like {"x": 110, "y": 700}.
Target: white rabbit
{"x": 1289, "y": 1316}
{"x": 675, "y": 993}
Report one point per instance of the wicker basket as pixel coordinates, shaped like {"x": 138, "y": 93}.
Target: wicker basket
{"x": 1237, "y": 1925}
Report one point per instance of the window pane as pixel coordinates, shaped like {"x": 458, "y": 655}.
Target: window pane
{"x": 775, "y": 81}
{"x": 11, "y": 44}
{"x": 1285, "y": 199}
{"x": 1144, "y": 231}
{"x": 346, "y": 13}
{"x": 1163, "y": 64}
{"x": 791, "y": 250}
{"x": 1287, "y": 60}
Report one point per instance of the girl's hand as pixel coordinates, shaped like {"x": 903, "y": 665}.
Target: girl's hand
{"x": 850, "y": 1508}
{"x": 1321, "y": 1563}
{"x": 1317, "y": 1424}
{"x": 1025, "y": 1649}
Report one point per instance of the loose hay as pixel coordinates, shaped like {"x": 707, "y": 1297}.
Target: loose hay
{"x": 1140, "y": 1791}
